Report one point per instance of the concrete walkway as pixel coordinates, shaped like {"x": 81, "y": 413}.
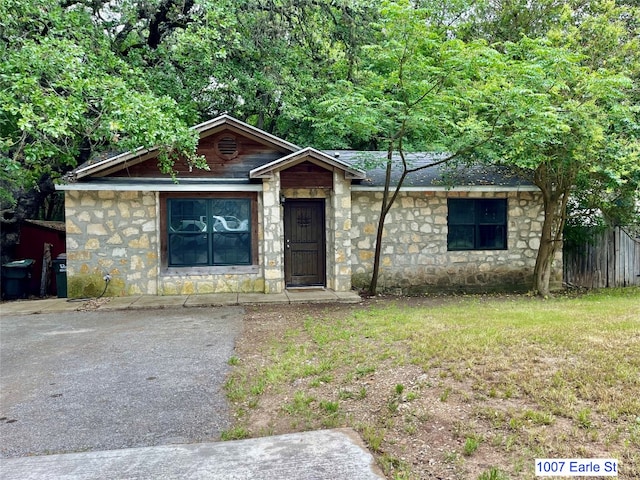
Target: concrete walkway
{"x": 325, "y": 454}
{"x": 57, "y": 305}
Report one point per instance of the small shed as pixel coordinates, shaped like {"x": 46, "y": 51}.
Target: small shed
{"x": 34, "y": 234}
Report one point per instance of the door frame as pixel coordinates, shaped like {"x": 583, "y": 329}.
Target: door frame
{"x": 320, "y": 204}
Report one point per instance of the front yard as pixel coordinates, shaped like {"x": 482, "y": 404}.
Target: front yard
{"x": 450, "y": 387}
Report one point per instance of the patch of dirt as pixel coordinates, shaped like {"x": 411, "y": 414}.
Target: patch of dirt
{"x": 423, "y": 432}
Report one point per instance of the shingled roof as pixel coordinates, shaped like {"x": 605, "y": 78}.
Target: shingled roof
{"x": 443, "y": 175}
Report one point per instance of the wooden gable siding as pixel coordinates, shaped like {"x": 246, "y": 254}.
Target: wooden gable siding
{"x": 250, "y": 154}
{"x": 306, "y": 175}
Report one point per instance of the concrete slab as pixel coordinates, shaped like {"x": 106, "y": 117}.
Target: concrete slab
{"x": 311, "y": 296}
{"x": 20, "y": 307}
{"x": 335, "y": 454}
{"x": 212, "y": 299}
{"x": 153, "y": 301}
{"x": 58, "y": 305}
{"x": 348, "y": 297}
{"x": 253, "y": 298}
{"x": 54, "y": 305}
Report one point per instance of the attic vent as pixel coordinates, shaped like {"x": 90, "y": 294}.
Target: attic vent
{"x": 227, "y": 147}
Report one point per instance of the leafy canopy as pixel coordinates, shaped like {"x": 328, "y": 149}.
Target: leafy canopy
{"x": 64, "y": 95}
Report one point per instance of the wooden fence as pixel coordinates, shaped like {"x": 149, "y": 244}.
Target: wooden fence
{"x": 610, "y": 259}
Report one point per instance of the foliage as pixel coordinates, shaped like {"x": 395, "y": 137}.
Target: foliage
{"x": 412, "y": 84}
{"x": 574, "y": 123}
{"x": 65, "y": 95}
{"x": 550, "y": 88}
{"x": 414, "y": 89}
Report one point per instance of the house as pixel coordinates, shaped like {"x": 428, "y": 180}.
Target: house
{"x": 270, "y": 215}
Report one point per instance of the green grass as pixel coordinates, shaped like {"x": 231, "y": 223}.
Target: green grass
{"x": 471, "y": 444}
{"x": 542, "y": 377}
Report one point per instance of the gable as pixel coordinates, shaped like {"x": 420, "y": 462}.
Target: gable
{"x": 306, "y": 175}
{"x": 228, "y": 145}
{"x": 308, "y": 155}
{"x": 228, "y": 153}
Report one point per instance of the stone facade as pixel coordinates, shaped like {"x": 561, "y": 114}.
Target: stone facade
{"x": 415, "y": 258}
{"x": 113, "y": 233}
{"x": 118, "y": 232}
{"x": 339, "y": 226}
{"x": 272, "y": 231}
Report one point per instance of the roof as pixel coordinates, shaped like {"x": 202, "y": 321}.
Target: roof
{"x": 366, "y": 169}
{"x": 48, "y": 224}
{"x": 316, "y": 156}
{"x": 445, "y": 175}
{"x": 210, "y": 126}
{"x": 205, "y": 129}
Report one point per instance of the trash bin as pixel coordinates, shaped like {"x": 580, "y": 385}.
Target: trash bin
{"x": 60, "y": 269}
{"x": 16, "y": 276}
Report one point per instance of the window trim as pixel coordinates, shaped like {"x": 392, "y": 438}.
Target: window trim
{"x": 477, "y": 224}
{"x": 206, "y": 269}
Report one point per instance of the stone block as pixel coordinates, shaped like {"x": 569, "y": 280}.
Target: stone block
{"x": 106, "y": 194}
{"x": 87, "y": 200}
{"x": 142, "y": 242}
{"x": 129, "y": 195}
{"x": 370, "y": 229}
{"x": 72, "y": 228}
{"x": 92, "y": 244}
{"x": 115, "y": 240}
{"x": 149, "y": 226}
{"x": 96, "y": 229}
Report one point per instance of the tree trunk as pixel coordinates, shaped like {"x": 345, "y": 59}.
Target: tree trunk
{"x": 384, "y": 209}
{"x": 546, "y": 254}
{"x": 556, "y": 187}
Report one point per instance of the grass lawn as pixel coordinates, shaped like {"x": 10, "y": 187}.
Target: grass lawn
{"x": 450, "y": 387}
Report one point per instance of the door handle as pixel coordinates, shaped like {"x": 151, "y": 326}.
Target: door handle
{"x": 288, "y": 243}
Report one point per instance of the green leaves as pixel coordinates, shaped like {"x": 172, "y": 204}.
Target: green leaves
{"x": 416, "y": 84}
{"x": 64, "y": 95}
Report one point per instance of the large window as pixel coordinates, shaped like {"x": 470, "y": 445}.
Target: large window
{"x": 215, "y": 231}
{"x": 477, "y": 224}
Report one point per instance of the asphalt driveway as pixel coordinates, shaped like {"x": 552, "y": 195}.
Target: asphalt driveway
{"x": 87, "y": 381}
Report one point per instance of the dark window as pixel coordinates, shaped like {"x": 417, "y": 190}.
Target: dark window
{"x": 477, "y": 224}
{"x": 209, "y": 232}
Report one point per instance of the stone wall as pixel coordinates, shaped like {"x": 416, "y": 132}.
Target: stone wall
{"x": 113, "y": 233}
{"x": 415, "y": 259}
{"x": 117, "y": 233}
{"x": 339, "y": 250}
{"x": 271, "y": 233}
{"x": 242, "y": 280}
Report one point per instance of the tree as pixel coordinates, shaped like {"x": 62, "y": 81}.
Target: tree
{"x": 65, "y": 96}
{"x": 532, "y": 104}
{"x": 415, "y": 90}
{"x": 570, "y": 124}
